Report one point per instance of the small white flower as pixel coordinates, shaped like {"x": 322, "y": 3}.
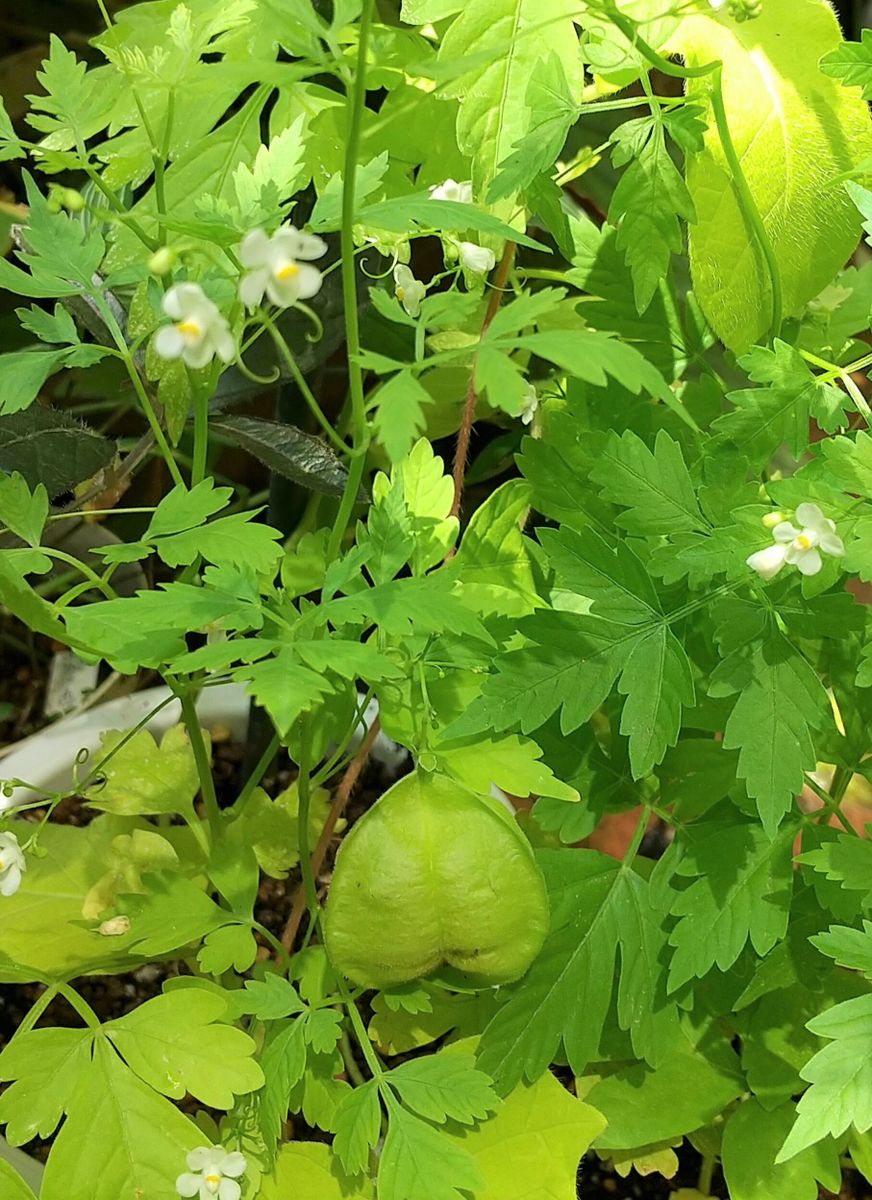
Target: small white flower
{"x": 529, "y": 405}
{"x": 216, "y": 1173}
{"x": 408, "y": 290}
{"x": 280, "y": 266}
{"x": 477, "y": 259}
{"x": 460, "y": 193}
{"x": 12, "y": 864}
{"x": 198, "y": 332}
{"x": 801, "y": 547}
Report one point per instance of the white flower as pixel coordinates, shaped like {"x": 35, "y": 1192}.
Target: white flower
{"x": 801, "y": 547}
{"x": 216, "y": 1173}
{"x": 460, "y": 193}
{"x": 280, "y": 266}
{"x": 477, "y": 259}
{"x": 529, "y": 405}
{"x": 12, "y": 864}
{"x": 408, "y": 290}
{"x": 198, "y": 333}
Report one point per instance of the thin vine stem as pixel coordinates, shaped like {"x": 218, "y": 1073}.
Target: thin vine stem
{"x": 360, "y": 427}
{"x": 201, "y": 758}
{"x": 306, "y": 392}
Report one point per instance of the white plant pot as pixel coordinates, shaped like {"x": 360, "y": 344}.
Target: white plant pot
{"x": 46, "y": 761}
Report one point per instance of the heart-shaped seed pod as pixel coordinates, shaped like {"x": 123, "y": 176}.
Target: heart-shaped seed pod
{"x": 435, "y": 875}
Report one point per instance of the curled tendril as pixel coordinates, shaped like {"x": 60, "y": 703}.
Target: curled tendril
{"x": 265, "y": 380}
{"x": 317, "y": 323}
{"x": 379, "y": 274}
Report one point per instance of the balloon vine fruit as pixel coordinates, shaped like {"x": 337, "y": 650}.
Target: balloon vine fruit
{"x": 435, "y": 875}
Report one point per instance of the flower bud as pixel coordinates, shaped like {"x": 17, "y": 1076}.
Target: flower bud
{"x": 70, "y": 199}
{"x": 115, "y": 927}
{"x": 163, "y": 261}
{"x": 770, "y": 520}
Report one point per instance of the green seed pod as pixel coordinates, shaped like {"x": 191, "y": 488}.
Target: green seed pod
{"x": 434, "y": 875}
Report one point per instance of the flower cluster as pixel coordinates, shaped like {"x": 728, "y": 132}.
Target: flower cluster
{"x": 212, "y": 1172}
{"x": 797, "y": 545}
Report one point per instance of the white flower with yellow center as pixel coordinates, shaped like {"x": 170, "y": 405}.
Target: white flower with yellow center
{"x": 476, "y": 259}
{"x": 12, "y": 864}
{"x": 800, "y": 546}
{"x": 460, "y": 193}
{"x": 280, "y": 266}
{"x": 408, "y": 290}
{"x": 198, "y": 332}
{"x": 212, "y": 1172}
{"x": 529, "y": 405}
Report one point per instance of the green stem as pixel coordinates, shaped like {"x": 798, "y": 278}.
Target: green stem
{"x": 706, "y": 1172}
{"x": 35, "y": 1012}
{"x": 304, "y": 801}
{"x": 88, "y": 572}
{"x": 274, "y": 942}
{"x": 81, "y": 1005}
{"x": 201, "y": 434}
{"x": 633, "y": 848}
{"x": 832, "y": 799}
{"x": 360, "y": 1034}
{"x": 257, "y": 774}
{"x": 351, "y": 1066}
{"x": 201, "y": 757}
{"x": 300, "y": 380}
{"x": 360, "y": 430}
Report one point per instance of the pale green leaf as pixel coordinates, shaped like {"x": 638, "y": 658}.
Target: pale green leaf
{"x": 308, "y": 1171}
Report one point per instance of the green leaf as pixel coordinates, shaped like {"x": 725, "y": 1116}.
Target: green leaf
{"x": 22, "y": 510}
{"x": 533, "y": 1145}
{"x": 781, "y": 700}
{"x": 741, "y": 889}
{"x": 510, "y": 762}
{"x": 399, "y": 418}
{"x": 307, "y": 1171}
{"x": 62, "y": 254}
{"x": 176, "y": 1044}
{"x": 596, "y": 357}
{"x": 174, "y": 913}
{"x": 795, "y": 131}
{"x": 358, "y": 1127}
{"x": 444, "y": 1087}
{"x": 322, "y": 1028}
{"x": 14, "y": 1187}
{"x": 840, "y": 1076}
{"x": 50, "y": 447}
{"x": 57, "y": 326}
{"x": 418, "y": 213}
{"x": 142, "y": 1139}
{"x": 655, "y": 487}
{"x": 494, "y": 563}
{"x": 646, "y": 205}
{"x": 268, "y": 999}
{"x": 693, "y": 1083}
{"x": 183, "y": 508}
{"x": 284, "y": 687}
{"x": 10, "y": 146}
{"x": 597, "y": 909}
{"x": 277, "y": 171}
{"x": 288, "y": 451}
{"x": 752, "y": 1138}
{"x": 283, "y": 1061}
{"x": 141, "y": 778}
{"x": 234, "y": 541}
{"x": 22, "y": 374}
{"x": 845, "y": 860}
{"x": 46, "y": 1066}
{"x": 419, "y": 1163}
{"x": 851, "y": 948}
{"x": 502, "y": 41}
{"x": 657, "y": 681}
{"x": 851, "y": 63}
{"x": 766, "y": 417}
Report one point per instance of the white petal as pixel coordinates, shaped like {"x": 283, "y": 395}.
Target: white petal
{"x": 10, "y": 880}
{"x": 477, "y": 259}
{"x": 785, "y": 532}
{"x": 229, "y": 1189}
{"x": 202, "y": 1157}
{"x": 831, "y": 543}
{"x": 254, "y": 249}
{"x": 233, "y": 1164}
{"x": 253, "y": 286}
{"x": 809, "y": 563}
{"x": 225, "y": 344}
{"x": 810, "y": 515}
{"x": 198, "y": 354}
{"x": 168, "y": 342}
{"x": 767, "y": 563}
{"x": 181, "y": 299}
{"x": 403, "y": 277}
{"x": 188, "y": 1185}
{"x": 309, "y": 246}
{"x": 309, "y": 281}
{"x": 283, "y": 292}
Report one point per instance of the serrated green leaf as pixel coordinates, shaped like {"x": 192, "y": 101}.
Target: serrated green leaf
{"x": 444, "y": 1087}
{"x": 399, "y": 418}
{"x": 358, "y": 1127}
{"x": 419, "y": 1163}
{"x": 140, "y": 778}
{"x": 46, "y": 1066}
{"x": 654, "y": 486}
{"x": 850, "y": 948}
{"x": 22, "y": 510}
{"x": 752, "y": 1138}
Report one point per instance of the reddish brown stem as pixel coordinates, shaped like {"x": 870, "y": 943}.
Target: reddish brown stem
{"x": 461, "y": 452}
{"x": 343, "y": 795}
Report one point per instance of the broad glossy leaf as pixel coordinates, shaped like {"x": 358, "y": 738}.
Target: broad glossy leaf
{"x": 286, "y": 450}
{"x": 795, "y": 131}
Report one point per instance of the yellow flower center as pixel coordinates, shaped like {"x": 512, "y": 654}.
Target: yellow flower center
{"x": 2, "y": 864}
{"x": 803, "y": 542}
{"x": 400, "y": 294}
{"x": 288, "y": 271}
{"x": 189, "y": 329}
{"x": 212, "y": 1181}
